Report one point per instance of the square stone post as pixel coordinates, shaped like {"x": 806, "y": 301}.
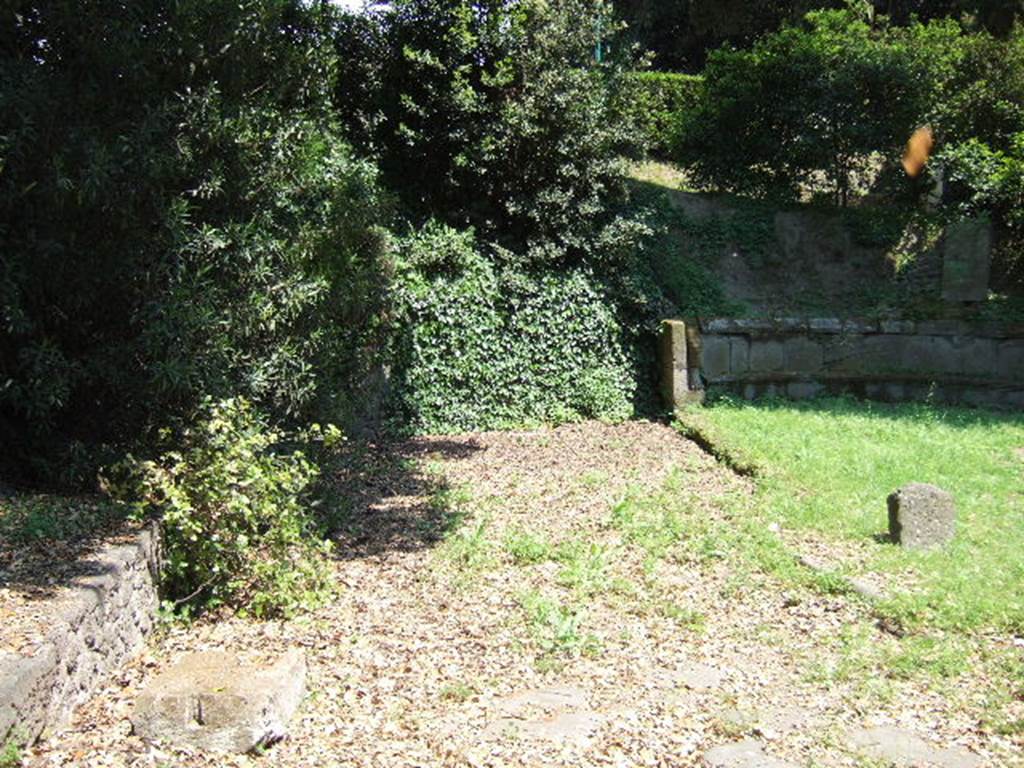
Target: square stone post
{"x": 680, "y": 363}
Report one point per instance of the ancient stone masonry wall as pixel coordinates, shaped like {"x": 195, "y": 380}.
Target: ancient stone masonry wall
{"x": 945, "y": 361}
{"x": 101, "y": 623}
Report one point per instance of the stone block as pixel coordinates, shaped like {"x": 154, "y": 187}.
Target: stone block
{"x": 825, "y": 325}
{"x": 803, "y": 355}
{"x": 674, "y": 370}
{"x": 967, "y": 260}
{"x": 924, "y": 355}
{"x": 1011, "y": 361}
{"x": 211, "y": 701}
{"x": 898, "y": 326}
{"x": 739, "y": 355}
{"x": 921, "y": 516}
{"x": 716, "y": 357}
{"x": 979, "y": 357}
{"x": 766, "y": 355}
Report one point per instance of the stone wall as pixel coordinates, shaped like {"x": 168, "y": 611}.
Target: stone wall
{"x": 947, "y": 361}
{"x": 103, "y": 622}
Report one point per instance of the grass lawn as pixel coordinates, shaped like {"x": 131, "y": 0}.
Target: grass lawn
{"x": 829, "y": 465}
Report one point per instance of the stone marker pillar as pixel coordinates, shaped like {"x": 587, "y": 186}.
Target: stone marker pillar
{"x": 967, "y": 260}
{"x": 921, "y": 516}
{"x": 680, "y": 363}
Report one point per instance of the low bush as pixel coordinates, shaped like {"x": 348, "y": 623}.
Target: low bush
{"x": 235, "y": 506}
{"x": 654, "y": 101}
{"x": 483, "y": 346}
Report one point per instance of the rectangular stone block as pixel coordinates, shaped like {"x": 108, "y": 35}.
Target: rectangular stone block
{"x": 766, "y": 355}
{"x": 921, "y": 516}
{"x": 739, "y": 355}
{"x": 804, "y": 390}
{"x": 803, "y": 355}
{"x": 716, "y": 354}
{"x": 930, "y": 354}
{"x": 674, "y": 374}
{"x": 1011, "y": 361}
{"x": 979, "y": 357}
{"x": 967, "y": 260}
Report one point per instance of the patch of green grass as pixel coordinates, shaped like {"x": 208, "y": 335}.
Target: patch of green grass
{"x": 585, "y": 567}
{"x": 457, "y": 692}
{"x": 685, "y": 618}
{"x": 468, "y": 547}
{"x": 829, "y": 465}
{"x": 526, "y": 548}
{"x": 11, "y": 755}
{"x": 555, "y": 628}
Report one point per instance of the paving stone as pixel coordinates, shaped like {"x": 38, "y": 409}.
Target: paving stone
{"x": 699, "y": 677}
{"x": 566, "y": 697}
{"x": 904, "y": 748}
{"x": 743, "y": 754}
{"x": 567, "y": 727}
{"x": 210, "y": 701}
{"x": 921, "y": 516}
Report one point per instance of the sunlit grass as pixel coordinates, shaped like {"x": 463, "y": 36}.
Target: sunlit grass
{"x": 829, "y": 465}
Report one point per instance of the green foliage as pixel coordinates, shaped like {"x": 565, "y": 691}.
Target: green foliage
{"x": 818, "y": 99}
{"x": 11, "y": 755}
{"x": 526, "y": 548}
{"x": 987, "y": 181}
{"x": 484, "y": 346}
{"x": 680, "y": 32}
{"x": 557, "y": 629}
{"x": 180, "y": 218}
{"x": 235, "y": 506}
{"x": 495, "y": 115}
{"x": 653, "y": 101}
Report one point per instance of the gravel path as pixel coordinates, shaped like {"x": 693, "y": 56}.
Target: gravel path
{"x": 436, "y": 651}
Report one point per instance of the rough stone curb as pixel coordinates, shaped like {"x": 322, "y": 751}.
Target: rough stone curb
{"x": 106, "y": 619}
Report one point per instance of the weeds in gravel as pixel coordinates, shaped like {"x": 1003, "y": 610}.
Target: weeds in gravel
{"x": 457, "y": 692}
{"x": 685, "y": 618}
{"x": 556, "y": 629}
{"x": 526, "y": 548}
{"x": 10, "y": 755}
{"x": 468, "y": 547}
{"x": 585, "y": 567}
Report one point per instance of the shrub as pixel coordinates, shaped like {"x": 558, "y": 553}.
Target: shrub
{"x": 180, "y": 217}
{"x": 654, "y": 101}
{"x": 494, "y": 115}
{"x": 482, "y": 346}
{"x": 817, "y": 99}
{"x": 235, "y": 511}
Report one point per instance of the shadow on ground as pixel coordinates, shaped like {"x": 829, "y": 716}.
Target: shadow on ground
{"x": 388, "y": 498}
{"x": 50, "y": 542}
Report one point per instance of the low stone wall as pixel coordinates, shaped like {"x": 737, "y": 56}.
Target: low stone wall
{"x": 978, "y": 364}
{"x": 101, "y": 624}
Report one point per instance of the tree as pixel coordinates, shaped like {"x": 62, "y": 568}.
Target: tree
{"x": 819, "y": 98}
{"x": 179, "y": 217}
{"x": 494, "y": 114}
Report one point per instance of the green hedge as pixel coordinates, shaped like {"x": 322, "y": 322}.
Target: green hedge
{"x": 654, "y": 100}
{"x": 486, "y": 347}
